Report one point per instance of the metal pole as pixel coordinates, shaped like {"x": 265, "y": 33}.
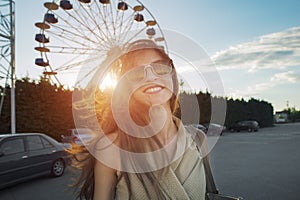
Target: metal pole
{"x": 12, "y": 40}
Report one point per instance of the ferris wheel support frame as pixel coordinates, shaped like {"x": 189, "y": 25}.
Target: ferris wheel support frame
{"x": 10, "y": 36}
{"x": 12, "y": 65}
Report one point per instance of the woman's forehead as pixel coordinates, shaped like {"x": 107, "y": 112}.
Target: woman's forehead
{"x": 143, "y": 57}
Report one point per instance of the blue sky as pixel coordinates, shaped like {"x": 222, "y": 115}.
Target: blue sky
{"x": 255, "y": 44}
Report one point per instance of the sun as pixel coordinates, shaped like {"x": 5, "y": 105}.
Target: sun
{"x": 109, "y": 82}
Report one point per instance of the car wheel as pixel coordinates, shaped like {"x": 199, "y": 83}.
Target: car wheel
{"x": 58, "y": 168}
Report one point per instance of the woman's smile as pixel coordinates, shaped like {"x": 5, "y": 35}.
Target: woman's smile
{"x": 153, "y": 89}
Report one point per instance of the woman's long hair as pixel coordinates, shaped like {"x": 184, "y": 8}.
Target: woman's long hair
{"x": 84, "y": 159}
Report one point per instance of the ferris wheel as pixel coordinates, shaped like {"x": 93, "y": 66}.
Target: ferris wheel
{"x": 75, "y": 33}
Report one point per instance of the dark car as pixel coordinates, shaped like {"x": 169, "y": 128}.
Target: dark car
{"x": 24, "y": 156}
{"x": 249, "y": 125}
{"x": 200, "y": 127}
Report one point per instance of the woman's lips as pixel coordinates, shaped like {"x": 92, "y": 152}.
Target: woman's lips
{"x": 153, "y": 89}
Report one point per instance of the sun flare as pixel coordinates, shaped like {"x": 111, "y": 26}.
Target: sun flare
{"x": 109, "y": 82}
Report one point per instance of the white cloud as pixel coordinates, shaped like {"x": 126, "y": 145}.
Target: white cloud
{"x": 277, "y": 79}
{"x": 277, "y": 51}
{"x": 285, "y": 77}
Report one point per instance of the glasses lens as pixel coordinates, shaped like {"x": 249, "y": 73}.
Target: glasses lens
{"x": 136, "y": 75}
{"x": 162, "y": 67}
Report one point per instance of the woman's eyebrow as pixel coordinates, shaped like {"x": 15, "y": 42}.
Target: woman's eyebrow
{"x": 160, "y": 60}
{"x": 156, "y": 61}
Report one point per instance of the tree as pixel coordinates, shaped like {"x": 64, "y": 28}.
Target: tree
{"x": 40, "y": 107}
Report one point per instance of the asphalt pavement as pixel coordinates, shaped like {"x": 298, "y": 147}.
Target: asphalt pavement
{"x": 261, "y": 165}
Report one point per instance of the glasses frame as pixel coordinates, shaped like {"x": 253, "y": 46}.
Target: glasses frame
{"x": 144, "y": 68}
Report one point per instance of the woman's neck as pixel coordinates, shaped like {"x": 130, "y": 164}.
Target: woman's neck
{"x": 160, "y": 118}
{"x": 169, "y": 129}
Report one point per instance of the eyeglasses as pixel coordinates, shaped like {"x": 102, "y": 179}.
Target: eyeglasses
{"x": 159, "y": 68}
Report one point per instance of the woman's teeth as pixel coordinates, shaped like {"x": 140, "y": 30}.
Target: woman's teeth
{"x": 153, "y": 89}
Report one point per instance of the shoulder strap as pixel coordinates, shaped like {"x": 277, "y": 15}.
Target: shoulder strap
{"x": 200, "y": 140}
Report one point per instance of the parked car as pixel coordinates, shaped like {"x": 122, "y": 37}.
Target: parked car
{"x": 79, "y": 136}
{"x": 24, "y": 156}
{"x": 200, "y": 127}
{"x": 249, "y": 125}
{"x": 214, "y": 129}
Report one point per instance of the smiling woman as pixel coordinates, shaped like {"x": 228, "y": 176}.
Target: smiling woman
{"x": 141, "y": 146}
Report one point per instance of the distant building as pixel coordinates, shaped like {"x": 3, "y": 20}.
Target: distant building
{"x": 281, "y": 117}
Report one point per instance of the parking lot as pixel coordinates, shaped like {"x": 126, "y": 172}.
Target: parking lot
{"x": 257, "y": 165}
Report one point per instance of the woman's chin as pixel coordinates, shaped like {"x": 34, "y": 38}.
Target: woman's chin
{"x": 159, "y": 99}
{"x": 155, "y": 98}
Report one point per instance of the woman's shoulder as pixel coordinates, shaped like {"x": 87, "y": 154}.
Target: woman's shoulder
{"x": 107, "y": 139}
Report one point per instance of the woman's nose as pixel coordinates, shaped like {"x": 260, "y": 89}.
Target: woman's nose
{"x": 149, "y": 73}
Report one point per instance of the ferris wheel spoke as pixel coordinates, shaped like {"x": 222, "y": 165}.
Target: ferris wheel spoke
{"x": 73, "y": 35}
{"x": 126, "y": 30}
{"x": 113, "y": 22}
{"x": 86, "y": 75}
{"x": 108, "y": 19}
{"x": 106, "y": 36}
{"x": 92, "y": 17}
{"x": 70, "y": 39}
{"x": 73, "y": 64}
{"x": 83, "y": 25}
{"x": 90, "y": 21}
{"x": 135, "y": 35}
{"x": 72, "y": 50}
{"x": 103, "y": 19}
{"x": 126, "y": 27}
{"x": 119, "y": 18}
